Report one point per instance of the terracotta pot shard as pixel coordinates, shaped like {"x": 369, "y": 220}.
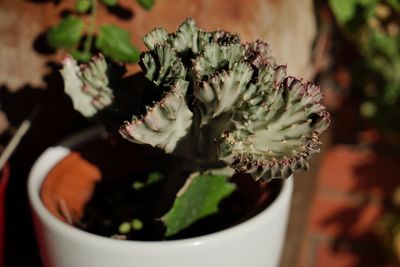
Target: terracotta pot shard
{"x": 65, "y": 193}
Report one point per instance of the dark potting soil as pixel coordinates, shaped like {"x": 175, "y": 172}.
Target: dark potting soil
{"x": 116, "y": 201}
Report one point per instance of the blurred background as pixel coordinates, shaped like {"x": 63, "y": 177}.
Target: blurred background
{"x": 345, "y": 210}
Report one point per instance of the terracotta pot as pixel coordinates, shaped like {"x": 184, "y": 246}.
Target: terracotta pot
{"x": 256, "y": 242}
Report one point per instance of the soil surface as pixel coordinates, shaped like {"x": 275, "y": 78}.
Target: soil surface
{"x": 116, "y": 201}
{"x": 125, "y": 195}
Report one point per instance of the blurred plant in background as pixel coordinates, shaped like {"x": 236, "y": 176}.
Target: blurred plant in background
{"x": 78, "y": 32}
{"x": 388, "y": 227}
{"x": 373, "y": 26}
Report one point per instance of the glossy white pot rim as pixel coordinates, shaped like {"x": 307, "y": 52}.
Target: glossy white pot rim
{"x": 53, "y": 155}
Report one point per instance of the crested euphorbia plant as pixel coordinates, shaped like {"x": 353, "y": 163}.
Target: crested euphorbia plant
{"x": 218, "y": 105}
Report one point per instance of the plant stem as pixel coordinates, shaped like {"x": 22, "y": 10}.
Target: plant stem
{"x": 91, "y": 28}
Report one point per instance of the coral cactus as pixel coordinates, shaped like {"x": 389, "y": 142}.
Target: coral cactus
{"x": 219, "y": 101}
{"x": 216, "y": 104}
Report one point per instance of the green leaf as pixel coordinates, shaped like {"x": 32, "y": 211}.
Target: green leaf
{"x": 394, "y": 4}
{"x": 368, "y": 8}
{"x": 67, "y": 33}
{"x": 115, "y": 43}
{"x": 81, "y": 56}
{"x": 383, "y": 43}
{"x": 109, "y": 2}
{"x": 146, "y": 4}
{"x": 368, "y": 3}
{"x": 199, "y": 197}
{"x": 83, "y": 6}
{"x": 344, "y": 10}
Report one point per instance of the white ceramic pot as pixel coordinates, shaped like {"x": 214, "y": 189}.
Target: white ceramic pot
{"x": 257, "y": 242}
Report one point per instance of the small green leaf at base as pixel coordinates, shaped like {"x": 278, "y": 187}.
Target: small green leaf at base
{"x": 199, "y": 197}
{"x": 115, "y": 43}
{"x": 66, "y": 34}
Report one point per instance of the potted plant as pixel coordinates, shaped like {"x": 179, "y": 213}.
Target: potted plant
{"x": 210, "y": 107}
